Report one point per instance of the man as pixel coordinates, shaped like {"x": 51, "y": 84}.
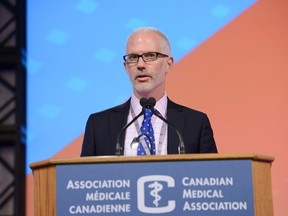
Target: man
{"x": 147, "y": 63}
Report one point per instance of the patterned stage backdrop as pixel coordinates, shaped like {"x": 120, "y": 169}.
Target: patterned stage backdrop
{"x": 231, "y": 62}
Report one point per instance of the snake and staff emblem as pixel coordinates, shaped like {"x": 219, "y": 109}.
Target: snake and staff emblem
{"x": 155, "y": 185}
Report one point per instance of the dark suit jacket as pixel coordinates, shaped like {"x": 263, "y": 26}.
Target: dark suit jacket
{"x": 103, "y": 128}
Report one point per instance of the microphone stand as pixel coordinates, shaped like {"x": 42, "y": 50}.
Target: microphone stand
{"x": 149, "y": 103}
{"x": 119, "y": 149}
{"x": 181, "y": 147}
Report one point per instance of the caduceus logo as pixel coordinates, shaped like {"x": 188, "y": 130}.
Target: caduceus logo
{"x": 153, "y": 182}
{"x": 157, "y": 187}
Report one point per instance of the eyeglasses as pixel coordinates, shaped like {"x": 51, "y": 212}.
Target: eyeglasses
{"x": 147, "y": 57}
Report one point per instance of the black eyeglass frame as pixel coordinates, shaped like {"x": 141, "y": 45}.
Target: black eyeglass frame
{"x": 158, "y": 54}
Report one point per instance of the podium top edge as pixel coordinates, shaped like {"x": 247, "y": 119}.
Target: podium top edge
{"x": 123, "y": 159}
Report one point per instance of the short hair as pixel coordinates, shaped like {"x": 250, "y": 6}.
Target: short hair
{"x": 165, "y": 42}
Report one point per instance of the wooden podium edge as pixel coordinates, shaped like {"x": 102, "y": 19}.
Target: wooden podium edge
{"x": 172, "y": 157}
{"x": 262, "y": 187}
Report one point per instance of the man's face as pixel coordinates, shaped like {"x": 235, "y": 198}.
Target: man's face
{"x": 147, "y": 78}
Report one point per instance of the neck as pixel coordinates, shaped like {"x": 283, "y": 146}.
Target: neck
{"x": 148, "y": 95}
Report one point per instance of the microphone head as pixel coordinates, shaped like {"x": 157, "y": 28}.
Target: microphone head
{"x": 151, "y": 102}
{"x": 143, "y": 102}
{"x": 148, "y": 103}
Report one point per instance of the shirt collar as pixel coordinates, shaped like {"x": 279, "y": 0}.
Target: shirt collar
{"x": 161, "y": 105}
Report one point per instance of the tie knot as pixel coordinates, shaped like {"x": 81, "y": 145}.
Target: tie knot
{"x": 148, "y": 113}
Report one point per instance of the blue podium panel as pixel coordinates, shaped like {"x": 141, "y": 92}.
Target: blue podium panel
{"x": 222, "y": 187}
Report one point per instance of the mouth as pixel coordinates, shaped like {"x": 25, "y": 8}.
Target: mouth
{"x": 142, "y": 78}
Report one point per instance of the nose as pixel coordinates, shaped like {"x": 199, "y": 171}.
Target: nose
{"x": 141, "y": 64}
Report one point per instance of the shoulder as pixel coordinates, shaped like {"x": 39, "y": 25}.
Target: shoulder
{"x": 124, "y": 107}
{"x": 181, "y": 108}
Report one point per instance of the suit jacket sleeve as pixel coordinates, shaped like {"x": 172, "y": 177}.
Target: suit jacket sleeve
{"x": 198, "y": 134}
{"x": 207, "y": 142}
{"x": 88, "y": 147}
{"x": 194, "y": 127}
{"x": 102, "y": 130}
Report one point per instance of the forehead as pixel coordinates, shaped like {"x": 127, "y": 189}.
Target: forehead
{"x": 144, "y": 42}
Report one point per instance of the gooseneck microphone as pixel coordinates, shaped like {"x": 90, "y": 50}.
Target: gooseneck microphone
{"x": 145, "y": 103}
{"x": 151, "y": 103}
{"x": 148, "y": 103}
{"x": 119, "y": 149}
{"x": 181, "y": 146}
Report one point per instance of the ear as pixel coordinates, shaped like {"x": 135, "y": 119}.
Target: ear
{"x": 170, "y": 63}
{"x": 125, "y": 64}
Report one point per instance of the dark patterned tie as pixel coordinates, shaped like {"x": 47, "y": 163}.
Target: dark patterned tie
{"x": 147, "y": 129}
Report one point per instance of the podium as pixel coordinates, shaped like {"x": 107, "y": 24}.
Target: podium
{"x": 190, "y": 184}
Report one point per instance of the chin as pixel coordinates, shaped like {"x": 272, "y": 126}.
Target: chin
{"x": 143, "y": 88}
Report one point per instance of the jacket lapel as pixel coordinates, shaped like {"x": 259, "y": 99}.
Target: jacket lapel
{"x": 118, "y": 119}
{"x": 176, "y": 117}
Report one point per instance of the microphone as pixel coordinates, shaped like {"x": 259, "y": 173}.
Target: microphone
{"x": 118, "y": 145}
{"x": 148, "y": 103}
{"x": 145, "y": 103}
{"x": 181, "y": 147}
{"x": 151, "y": 102}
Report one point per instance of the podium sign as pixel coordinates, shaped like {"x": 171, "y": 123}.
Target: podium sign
{"x": 176, "y": 188}
{"x": 190, "y": 184}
